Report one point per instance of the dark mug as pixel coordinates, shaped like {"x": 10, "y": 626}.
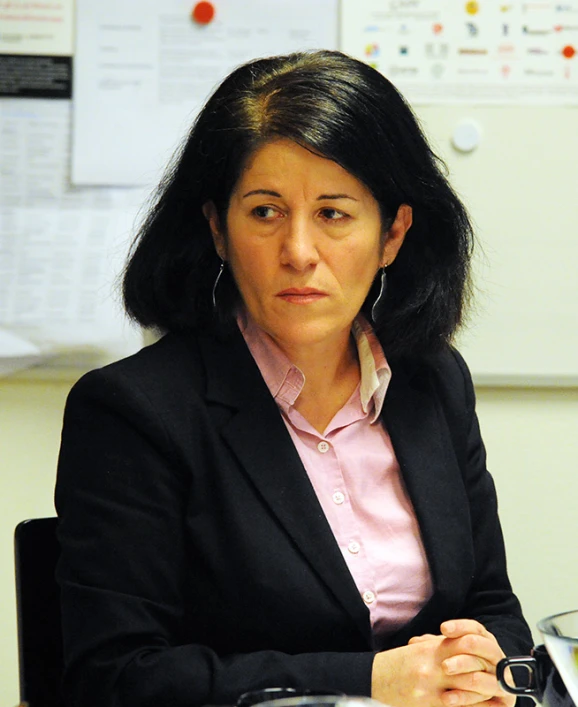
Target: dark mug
{"x": 544, "y": 686}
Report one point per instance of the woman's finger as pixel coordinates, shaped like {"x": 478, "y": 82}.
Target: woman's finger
{"x": 480, "y": 684}
{"x": 462, "y": 698}
{"x": 464, "y": 663}
{"x": 484, "y": 647}
{"x": 420, "y": 639}
{"x": 491, "y": 702}
{"x": 460, "y": 627}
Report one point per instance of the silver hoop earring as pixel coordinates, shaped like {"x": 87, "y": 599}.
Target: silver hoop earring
{"x": 378, "y": 305}
{"x": 221, "y": 268}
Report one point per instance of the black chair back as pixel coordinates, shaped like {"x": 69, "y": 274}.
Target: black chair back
{"x": 38, "y": 611}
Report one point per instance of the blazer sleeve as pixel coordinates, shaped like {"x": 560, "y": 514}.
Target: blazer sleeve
{"x": 121, "y": 495}
{"x": 490, "y": 599}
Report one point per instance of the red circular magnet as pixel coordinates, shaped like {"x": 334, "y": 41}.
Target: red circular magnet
{"x": 203, "y": 12}
{"x": 568, "y": 51}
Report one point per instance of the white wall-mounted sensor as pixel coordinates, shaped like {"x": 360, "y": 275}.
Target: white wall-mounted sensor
{"x": 467, "y": 135}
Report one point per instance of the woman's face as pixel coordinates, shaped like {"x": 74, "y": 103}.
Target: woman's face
{"x": 304, "y": 241}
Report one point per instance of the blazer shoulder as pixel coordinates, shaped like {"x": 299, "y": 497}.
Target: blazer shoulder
{"x": 160, "y": 371}
{"x": 446, "y": 378}
{"x": 451, "y": 379}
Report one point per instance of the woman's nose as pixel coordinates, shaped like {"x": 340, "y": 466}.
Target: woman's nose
{"x": 299, "y": 249}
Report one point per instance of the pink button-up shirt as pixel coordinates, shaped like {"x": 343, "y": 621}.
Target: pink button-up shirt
{"x": 357, "y": 479}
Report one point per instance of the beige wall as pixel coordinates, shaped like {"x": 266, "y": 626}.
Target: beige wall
{"x": 30, "y": 421}
{"x": 532, "y": 441}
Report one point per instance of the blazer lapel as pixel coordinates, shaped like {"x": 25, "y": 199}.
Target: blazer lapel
{"x": 256, "y": 433}
{"x": 423, "y": 446}
{"x": 252, "y": 427}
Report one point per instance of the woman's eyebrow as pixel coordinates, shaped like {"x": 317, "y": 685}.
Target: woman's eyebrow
{"x": 262, "y": 191}
{"x": 321, "y": 197}
{"x": 336, "y": 196}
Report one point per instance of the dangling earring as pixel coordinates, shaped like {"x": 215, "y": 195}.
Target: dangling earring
{"x": 221, "y": 268}
{"x": 379, "y": 303}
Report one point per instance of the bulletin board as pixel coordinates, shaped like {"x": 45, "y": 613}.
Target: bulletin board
{"x": 495, "y": 86}
{"x": 521, "y": 187}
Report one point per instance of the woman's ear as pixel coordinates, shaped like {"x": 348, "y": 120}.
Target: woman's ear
{"x": 210, "y": 213}
{"x": 396, "y": 234}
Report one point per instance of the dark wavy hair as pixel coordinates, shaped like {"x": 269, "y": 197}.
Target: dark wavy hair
{"x": 342, "y": 109}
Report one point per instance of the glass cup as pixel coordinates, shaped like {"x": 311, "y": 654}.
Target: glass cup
{"x": 271, "y": 697}
{"x": 269, "y": 694}
{"x": 552, "y": 667}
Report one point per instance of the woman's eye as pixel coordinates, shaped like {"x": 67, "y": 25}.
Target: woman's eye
{"x": 264, "y": 212}
{"x": 333, "y": 215}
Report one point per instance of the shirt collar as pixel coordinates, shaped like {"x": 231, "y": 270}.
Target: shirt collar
{"x": 375, "y": 371}
{"x": 285, "y": 380}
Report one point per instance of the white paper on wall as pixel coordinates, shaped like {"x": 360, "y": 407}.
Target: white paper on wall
{"x": 61, "y": 247}
{"x": 141, "y": 74}
{"x": 37, "y": 28}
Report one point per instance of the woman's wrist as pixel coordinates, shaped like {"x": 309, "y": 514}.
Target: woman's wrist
{"x": 383, "y": 676}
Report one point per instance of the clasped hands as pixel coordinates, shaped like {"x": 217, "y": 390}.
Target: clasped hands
{"x": 455, "y": 669}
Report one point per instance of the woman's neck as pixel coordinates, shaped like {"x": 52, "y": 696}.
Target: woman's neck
{"x": 332, "y": 373}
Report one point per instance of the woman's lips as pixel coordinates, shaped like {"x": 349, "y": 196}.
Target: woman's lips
{"x": 301, "y": 295}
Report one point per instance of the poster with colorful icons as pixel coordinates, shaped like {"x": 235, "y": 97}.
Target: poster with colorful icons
{"x": 473, "y": 51}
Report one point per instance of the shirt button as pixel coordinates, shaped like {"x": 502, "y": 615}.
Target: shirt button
{"x": 353, "y": 547}
{"x": 338, "y": 498}
{"x": 368, "y": 597}
{"x": 323, "y": 447}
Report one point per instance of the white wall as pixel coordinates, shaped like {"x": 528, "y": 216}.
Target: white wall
{"x": 532, "y": 441}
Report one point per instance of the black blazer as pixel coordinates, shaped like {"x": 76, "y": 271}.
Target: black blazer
{"x": 196, "y": 560}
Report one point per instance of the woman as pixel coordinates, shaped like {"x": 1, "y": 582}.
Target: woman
{"x": 289, "y": 488}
